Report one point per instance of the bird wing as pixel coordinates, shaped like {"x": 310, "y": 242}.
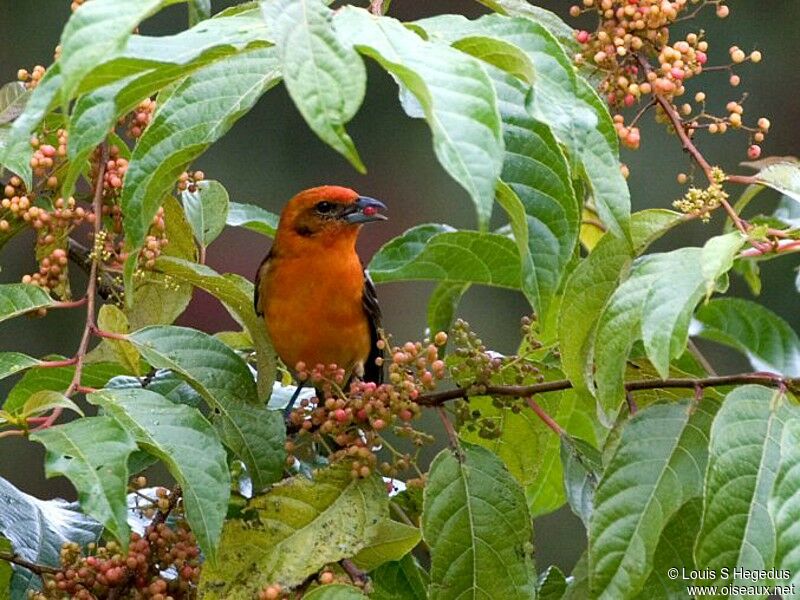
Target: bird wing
{"x": 257, "y": 284}
{"x": 369, "y": 301}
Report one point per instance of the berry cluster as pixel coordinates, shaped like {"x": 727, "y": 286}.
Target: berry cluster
{"x": 141, "y": 573}
{"x": 45, "y": 156}
{"x": 31, "y": 78}
{"x": 636, "y": 59}
{"x": 188, "y": 180}
{"x": 138, "y": 120}
{"x": 472, "y": 364}
{"x": 354, "y": 421}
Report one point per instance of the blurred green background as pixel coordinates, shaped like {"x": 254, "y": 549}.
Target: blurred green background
{"x": 271, "y": 154}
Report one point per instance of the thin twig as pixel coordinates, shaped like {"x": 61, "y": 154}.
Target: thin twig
{"x": 779, "y": 247}
{"x": 356, "y": 575}
{"x": 524, "y": 391}
{"x": 448, "y": 427}
{"x": 26, "y": 564}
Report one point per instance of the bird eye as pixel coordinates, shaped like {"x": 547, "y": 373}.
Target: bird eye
{"x": 324, "y": 207}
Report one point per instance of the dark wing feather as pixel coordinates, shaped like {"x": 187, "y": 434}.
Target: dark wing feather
{"x": 369, "y": 300}
{"x": 257, "y": 285}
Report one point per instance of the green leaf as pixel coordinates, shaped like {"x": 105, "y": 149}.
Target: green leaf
{"x": 563, "y": 100}
{"x": 199, "y": 10}
{"x": 578, "y": 582}
{"x": 110, "y": 318}
{"x": 14, "y": 362}
{"x": 500, "y": 54}
{"x": 591, "y": 284}
{"x": 782, "y": 176}
{"x": 93, "y": 454}
{"x": 767, "y": 340}
{"x": 335, "y": 591}
{"x": 439, "y": 253}
{"x": 658, "y": 466}
{"x": 552, "y": 584}
{"x": 5, "y": 570}
{"x": 389, "y": 541}
{"x": 784, "y": 504}
{"x": 38, "y": 528}
{"x": 20, "y": 298}
{"x": 453, "y": 91}
{"x": 292, "y": 531}
{"x": 253, "y": 433}
{"x": 94, "y": 375}
{"x": 674, "y": 551}
{"x": 46, "y": 400}
{"x": 97, "y": 31}
{"x": 736, "y": 529}
{"x": 325, "y": 78}
{"x": 655, "y": 304}
{"x": 187, "y": 444}
{"x": 583, "y": 466}
{"x": 252, "y": 217}
{"x": 477, "y": 526}
{"x": 539, "y": 198}
{"x": 15, "y": 147}
{"x": 236, "y": 294}
{"x": 401, "y": 580}
{"x": 442, "y": 305}
{"x": 146, "y": 66}
{"x": 13, "y": 97}
{"x": 206, "y": 210}
{"x": 551, "y": 21}
{"x": 199, "y": 111}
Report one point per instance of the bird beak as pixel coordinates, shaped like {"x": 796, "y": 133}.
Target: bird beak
{"x": 365, "y": 210}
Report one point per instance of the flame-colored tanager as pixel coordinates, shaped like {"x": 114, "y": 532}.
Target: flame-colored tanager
{"x": 319, "y": 305}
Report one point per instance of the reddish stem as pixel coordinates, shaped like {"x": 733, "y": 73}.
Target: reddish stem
{"x": 54, "y": 364}
{"x": 547, "y": 419}
{"x": 108, "y": 334}
{"x": 777, "y": 248}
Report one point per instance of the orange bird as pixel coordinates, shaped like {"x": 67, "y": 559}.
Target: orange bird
{"x": 319, "y": 304}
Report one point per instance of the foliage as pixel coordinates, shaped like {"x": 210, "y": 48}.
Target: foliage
{"x": 607, "y": 407}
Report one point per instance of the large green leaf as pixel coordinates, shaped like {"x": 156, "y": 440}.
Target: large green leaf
{"x": 14, "y": 362}
{"x": 236, "y": 294}
{"x": 591, "y": 284}
{"x": 147, "y": 65}
{"x": 477, "y": 526}
{"x": 198, "y": 112}
{"x": 111, "y": 318}
{"x": 336, "y": 591}
{"x": 529, "y": 449}
{"x": 453, "y": 91}
{"x": 439, "y": 253}
{"x": 766, "y": 339}
{"x": 655, "y": 305}
{"x": 389, "y": 541}
{"x": 563, "y": 100}
{"x": 583, "y": 466}
{"x": 206, "y": 210}
{"x": 13, "y": 97}
{"x": 737, "y": 530}
{"x": 253, "y": 433}
{"x": 658, "y": 466}
{"x": 97, "y": 31}
{"x": 675, "y": 551}
{"x": 93, "y": 454}
{"x": 325, "y": 78}
{"x": 401, "y": 580}
{"x": 292, "y": 531}
{"x": 19, "y": 298}
{"x": 94, "y": 375}
{"x": 784, "y": 505}
{"x": 186, "y": 443}
{"x": 782, "y": 176}
{"x": 38, "y": 528}
{"x": 252, "y": 217}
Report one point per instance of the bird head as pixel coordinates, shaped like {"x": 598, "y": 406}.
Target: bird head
{"x": 328, "y": 213}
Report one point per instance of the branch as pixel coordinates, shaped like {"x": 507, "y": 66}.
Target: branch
{"x": 777, "y": 248}
{"x": 526, "y": 391}
{"x": 26, "y": 564}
